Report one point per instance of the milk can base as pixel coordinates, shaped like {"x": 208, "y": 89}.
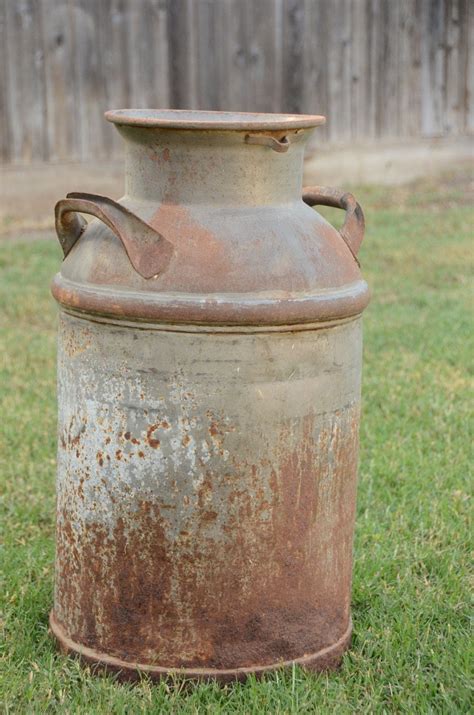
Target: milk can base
{"x": 326, "y": 659}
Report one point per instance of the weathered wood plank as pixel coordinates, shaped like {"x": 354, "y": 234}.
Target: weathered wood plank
{"x": 453, "y": 71}
{"x": 373, "y": 45}
{"x": 315, "y": 71}
{"x": 232, "y": 53}
{"x": 62, "y": 125}
{"x": 6, "y": 154}
{"x": 114, "y": 33}
{"x": 360, "y": 69}
{"x": 27, "y": 110}
{"x": 432, "y": 67}
{"x": 148, "y": 53}
{"x": 263, "y": 57}
{"x": 410, "y": 88}
{"x": 208, "y": 37}
{"x": 293, "y": 55}
{"x": 468, "y": 59}
{"x": 339, "y": 71}
{"x": 277, "y": 38}
{"x": 181, "y": 54}
{"x": 389, "y": 71}
{"x": 88, "y": 77}
{"x": 375, "y": 68}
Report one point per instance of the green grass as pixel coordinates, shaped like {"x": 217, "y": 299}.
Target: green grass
{"x": 410, "y": 650}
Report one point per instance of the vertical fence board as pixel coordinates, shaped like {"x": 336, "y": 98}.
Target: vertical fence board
{"x": 373, "y": 45}
{"x": 315, "y": 42}
{"x": 293, "y": 55}
{"x": 5, "y": 134}
{"x": 62, "y": 126}
{"x": 148, "y": 54}
{"x": 379, "y": 64}
{"x": 466, "y": 81}
{"x": 114, "y": 39}
{"x": 207, "y": 55}
{"x": 277, "y": 41}
{"x": 359, "y": 69}
{"x": 375, "y": 68}
{"x": 262, "y": 53}
{"x": 469, "y": 65}
{"x": 388, "y": 85}
{"x": 234, "y": 55}
{"x": 339, "y": 71}
{"x": 409, "y": 69}
{"x": 432, "y": 66}
{"x": 181, "y": 43}
{"x": 454, "y": 75}
{"x": 218, "y": 96}
{"x": 25, "y": 66}
{"x": 88, "y": 76}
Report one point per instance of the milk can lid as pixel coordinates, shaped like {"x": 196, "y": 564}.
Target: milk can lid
{"x": 198, "y": 119}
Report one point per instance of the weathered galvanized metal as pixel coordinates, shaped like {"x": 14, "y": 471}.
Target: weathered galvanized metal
{"x": 209, "y": 390}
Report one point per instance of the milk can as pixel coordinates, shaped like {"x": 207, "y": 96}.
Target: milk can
{"x": 209, "y": 375}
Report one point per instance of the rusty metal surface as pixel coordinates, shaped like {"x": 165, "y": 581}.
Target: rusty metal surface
{"x": 326, "y": 659}
{"x": 208, "y": 410}
{"x": 353, "y": 228}
{"x": 272, "y": 308}
{"x": 279, "y": 143}
{"x": 148, "y": 251}
{"x": 246, "y": 249}
{"x": 206, "y": 492}
{"x": 197, "y": 119}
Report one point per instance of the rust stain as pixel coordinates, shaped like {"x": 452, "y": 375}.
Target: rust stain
{"x": 204, "y": 259}
{"x": 154, "y": 442}
{"x": 137, "y": 595}
{"x": 213, "y": 430}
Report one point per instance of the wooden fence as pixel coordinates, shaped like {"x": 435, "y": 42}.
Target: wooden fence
{"x": 376, "y": 68}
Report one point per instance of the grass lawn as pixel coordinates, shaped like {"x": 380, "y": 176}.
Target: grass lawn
{"x": 410, "y": 649}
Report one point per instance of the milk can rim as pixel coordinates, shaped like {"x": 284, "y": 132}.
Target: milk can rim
{"x": 204, "y": 119}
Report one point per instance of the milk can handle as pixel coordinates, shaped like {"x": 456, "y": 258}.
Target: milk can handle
{"x": 148, "y": 251}
{"x": 354, "y": 224}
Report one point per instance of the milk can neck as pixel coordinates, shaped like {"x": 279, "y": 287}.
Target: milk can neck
{"x": 211, "y": 167}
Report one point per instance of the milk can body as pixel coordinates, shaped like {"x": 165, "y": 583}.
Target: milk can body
{"x": 209, "y": 369}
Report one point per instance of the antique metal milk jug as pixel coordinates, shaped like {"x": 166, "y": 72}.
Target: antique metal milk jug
{"x": 209, "y": 391}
